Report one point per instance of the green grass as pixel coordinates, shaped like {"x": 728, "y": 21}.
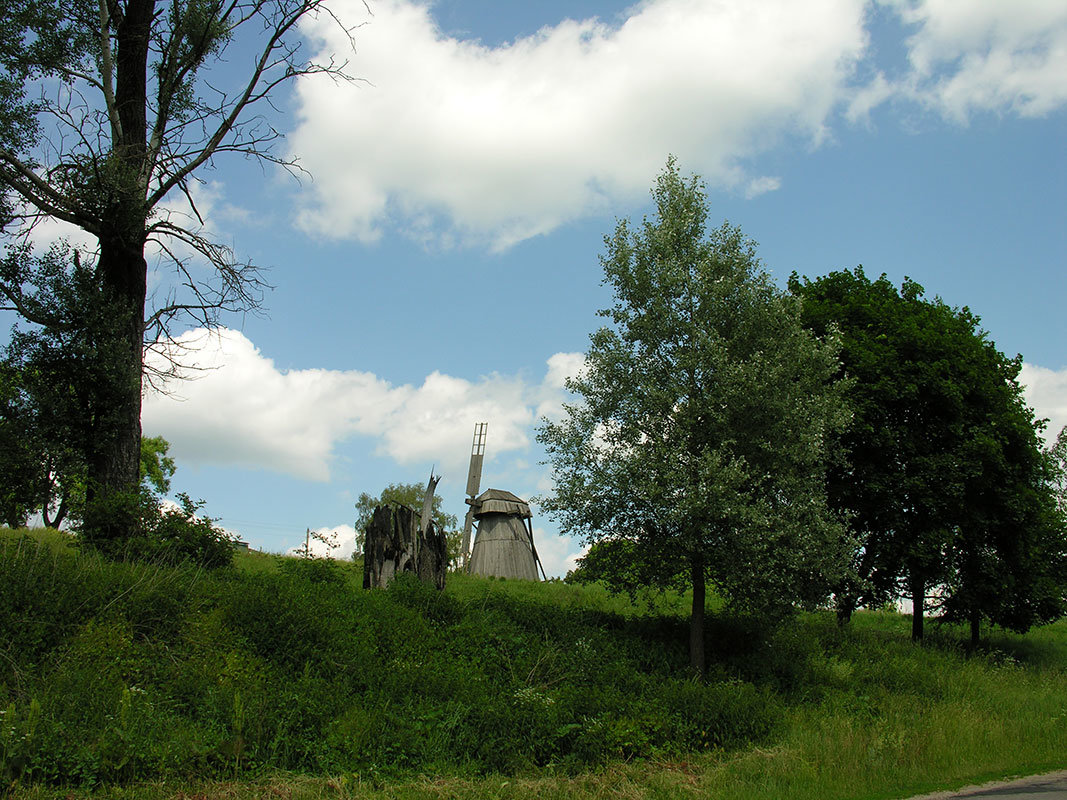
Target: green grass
{"x": 279, "y": 678}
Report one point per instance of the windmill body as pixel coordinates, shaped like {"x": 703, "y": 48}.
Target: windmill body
{"x": 503, "y": 541}
{"x": 503, "y": 546}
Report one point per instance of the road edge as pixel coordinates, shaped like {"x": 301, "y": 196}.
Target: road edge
{"x": 1009, "y": 783}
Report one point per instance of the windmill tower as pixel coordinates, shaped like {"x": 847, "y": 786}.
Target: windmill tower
{"x": 503, "y": 542}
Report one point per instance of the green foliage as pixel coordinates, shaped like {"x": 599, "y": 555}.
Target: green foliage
{"x": 944, "y": 478}
{"x": 313, "y": 570}
{"x": 1057, "y": 465}
{"x": 20, "y": 465}
{"x": 704, "y": 410}
{"x": 617, "y": 563}
{"x": 157, "y": 468}
{"x": 51, "y": 387}
{"x": 130, "y": 669}
{"x": 162, "y": 533}
{"x": 269, "y": 682}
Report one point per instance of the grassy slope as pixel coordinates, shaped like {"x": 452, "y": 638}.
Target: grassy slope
{"x": 861, "y": 713}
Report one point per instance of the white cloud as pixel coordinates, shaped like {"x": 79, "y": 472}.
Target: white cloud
{"x": 48, "y": 230}
{"x": 1045, "y": 391}
{"x": 762, "y": 185}
{"x": 240, "y": 409}
{"x": 561, "y": 366}
{"x": 505, "y": 143}
{"x": 983, "y": 55}
{"x": 558, "y": 554}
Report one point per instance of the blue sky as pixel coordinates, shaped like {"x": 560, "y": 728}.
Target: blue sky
{"x": 441, "y": 266}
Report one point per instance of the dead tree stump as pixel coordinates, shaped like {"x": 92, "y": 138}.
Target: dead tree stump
{"x": 395, "y": 543}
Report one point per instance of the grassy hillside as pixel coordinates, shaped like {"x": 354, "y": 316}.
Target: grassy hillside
{"x": 284, "y": 678}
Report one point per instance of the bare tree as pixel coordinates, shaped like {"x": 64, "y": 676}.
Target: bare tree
{"x": 108, "y": 109}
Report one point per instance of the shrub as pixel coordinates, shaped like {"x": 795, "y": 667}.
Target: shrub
{"x": 313, "y": 570}
{"x": 161, "y": 534}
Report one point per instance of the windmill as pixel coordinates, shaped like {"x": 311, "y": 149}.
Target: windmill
{"x": 503, "y": 542}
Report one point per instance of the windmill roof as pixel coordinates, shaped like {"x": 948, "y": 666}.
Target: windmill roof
{"x": 498, "y": 501}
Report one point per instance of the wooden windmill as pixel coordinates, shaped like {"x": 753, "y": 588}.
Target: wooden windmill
{"x": 503, "y": 541}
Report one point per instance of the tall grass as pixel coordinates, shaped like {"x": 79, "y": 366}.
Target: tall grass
{"x": 114, "y": 672}
{"x": 284, "y": 678}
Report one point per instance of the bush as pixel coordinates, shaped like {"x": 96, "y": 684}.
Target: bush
{"x": 313, "y": 570}
{"x": 160, "y": 534}
{"x": 180, "y": 534}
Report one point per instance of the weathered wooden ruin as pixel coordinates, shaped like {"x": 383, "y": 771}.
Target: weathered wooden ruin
{"x": 399, "y": 539}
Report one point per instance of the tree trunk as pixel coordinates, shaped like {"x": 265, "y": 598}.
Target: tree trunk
{"x": 697, "y": 663}
{"x": 114, "y": 453}
{"x": 976, "y": 622}
{"x": 918, "y": 602}
{"x": 846, "y": 604}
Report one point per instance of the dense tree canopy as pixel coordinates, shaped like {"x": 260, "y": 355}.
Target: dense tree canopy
{"x": 943, "y": 477}
{"x": 703, "y": 416}
{"x": 52, "y": 403}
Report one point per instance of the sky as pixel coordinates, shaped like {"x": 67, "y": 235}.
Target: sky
{"x": 437, "y": 266}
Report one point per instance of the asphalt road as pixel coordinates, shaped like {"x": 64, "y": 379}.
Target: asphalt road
{"x": 1052, "y": 786}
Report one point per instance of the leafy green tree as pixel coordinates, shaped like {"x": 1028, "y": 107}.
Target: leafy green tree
{"x": 133, "y": 115}
{"x": 157, "y": 468}
{"x": 1007, "y": 555}
{"x": 1057, "y": 478}
{"x": 942, "y": 476}
{"x": 615, "y": 562}
{"x": 408, "y": 494}
{"x": 50, "y": 404}
{"x": 705, "y": 409}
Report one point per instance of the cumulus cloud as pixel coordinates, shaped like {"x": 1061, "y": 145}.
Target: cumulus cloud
{"x": 553, "y": 390}
{"x": 1045, "y": 391}
{"x": 558, "y": 554}
{"x": 504, "y": 143}
{"x": 239, "y": 409}
{"x": 975, "y": 55}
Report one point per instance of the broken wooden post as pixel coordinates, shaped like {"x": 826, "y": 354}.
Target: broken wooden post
{"x": 395, "y": 543}
{"x": 427, "y": 501}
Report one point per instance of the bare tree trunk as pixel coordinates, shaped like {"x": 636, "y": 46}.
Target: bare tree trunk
{"x": 697, "y": 663}
{"x": 976, "y": 622}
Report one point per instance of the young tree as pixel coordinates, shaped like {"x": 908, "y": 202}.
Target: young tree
{"x": 705, "y": 409}
{"x": 411, "y": 495}
{"x": 129, "y": 121}
{"x": 943, "y": 475}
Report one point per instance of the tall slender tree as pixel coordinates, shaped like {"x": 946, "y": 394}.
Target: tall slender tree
{"x": 106, "y": 117}
{"x": 704, "y": 412}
